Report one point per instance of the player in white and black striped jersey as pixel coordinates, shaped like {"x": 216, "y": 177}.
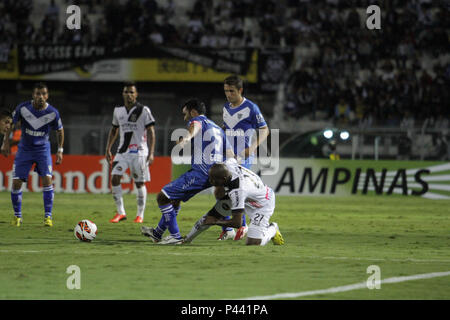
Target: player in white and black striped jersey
{"x": 134, "y": 123}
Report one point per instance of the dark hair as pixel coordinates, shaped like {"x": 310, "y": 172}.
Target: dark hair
{"x": 4, "y": 113}
{"x": 39, "y": 85}
{"x": 130, "y": 84}
{"x": 234, "y": 80}
{"x": 195, "y": 104}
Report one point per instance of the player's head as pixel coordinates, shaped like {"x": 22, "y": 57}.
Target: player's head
{"x": 219, "y": 175}
{"x": 233, "y": 87}
{"x": 40, "y": 94}
{"x": 129, "y": 93}
{"x": 5, "y": 121}
{"x": 193, "y": 108}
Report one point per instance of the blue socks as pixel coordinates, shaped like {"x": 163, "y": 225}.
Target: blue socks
{"x": 16, "y": 199}
{"x": 48, "y": 200}
{"x": 168, "y": 221}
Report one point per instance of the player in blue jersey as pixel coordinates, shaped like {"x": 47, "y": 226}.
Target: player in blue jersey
{"x": 245, "y": 129}
{"x": 208, "y": 146}
{"x": 5, "y": 121}
{"x": 36, "y": 118}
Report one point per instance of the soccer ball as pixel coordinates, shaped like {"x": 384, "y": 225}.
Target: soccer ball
{"x": 85, "y": 230}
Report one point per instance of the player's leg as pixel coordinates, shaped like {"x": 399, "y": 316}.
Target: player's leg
{"x": 199, "y": 226}
{"x": 44, "y": 169}
{"x": 169, "y": 215}
{"x": 21, "y": 168}
{"x": 141, "y": 174}
{"x": 227, "y": 232}
{"x": 47, "y": 197}
{"x": 16, "y": 199}
{"x": 119, "y": 166}
{"x": 141, "y": 200}
{"x": 260, "y": 231}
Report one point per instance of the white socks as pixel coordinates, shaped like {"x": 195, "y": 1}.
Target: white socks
{"x": 118, "y": 199}
{"x": 268, "y": 235}
{"x": 141, "y": 199}
{"x": 198, "y": 228}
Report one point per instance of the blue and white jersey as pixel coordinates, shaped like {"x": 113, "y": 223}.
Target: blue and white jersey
{"x": 241, "y": 123}
{"x": 36, "y": 125}
{"x": 208, "y": 146}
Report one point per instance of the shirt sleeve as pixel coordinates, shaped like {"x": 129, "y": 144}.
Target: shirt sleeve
{"x": 115, "y": 121}
{"x": 237, "y": 198}
{"x": 16, "y": 115}
{"x": 258, "y": 120}
{"x": 148, "y": 117}
{"x": 57, "y": 123}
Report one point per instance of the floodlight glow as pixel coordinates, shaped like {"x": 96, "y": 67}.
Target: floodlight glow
{"x": 328, "y": 134}
{"x": 344, "y": 135}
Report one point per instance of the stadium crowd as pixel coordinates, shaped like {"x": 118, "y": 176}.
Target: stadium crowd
{"x": 340, "y": 69}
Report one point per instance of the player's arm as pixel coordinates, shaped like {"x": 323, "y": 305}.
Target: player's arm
{"x": 60, "y": 142}
{"x": 6, "y": 148}
{"x": 261, "y": 135}
{"x": 112, "y": 136}
{"x": 193, "y": 130}
{"x": 151, "y": 143}
{"x": 234, "y": 222}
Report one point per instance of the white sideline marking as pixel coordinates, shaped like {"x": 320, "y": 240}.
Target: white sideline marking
{"x": 349, "y": 287}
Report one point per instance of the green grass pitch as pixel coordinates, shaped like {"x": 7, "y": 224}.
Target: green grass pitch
{"x": 330, "y": 242}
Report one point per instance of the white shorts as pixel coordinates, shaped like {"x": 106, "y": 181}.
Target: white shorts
{"x": 259, "y": 217}
{"x": 139, "y": 170}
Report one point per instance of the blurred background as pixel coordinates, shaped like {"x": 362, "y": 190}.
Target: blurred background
{"x": 333, "y": 87}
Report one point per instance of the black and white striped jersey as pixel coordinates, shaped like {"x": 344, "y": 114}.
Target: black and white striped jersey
{"x": 133, "y": 126}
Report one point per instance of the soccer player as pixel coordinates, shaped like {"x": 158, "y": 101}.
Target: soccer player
{"x": 247, "y": 193}
{"x": 5, "y": 121}
{"x": 207, "y": 142}
{"x": 36, "y": 118}
{"x": 135, "y": 123}
{"x": 242, "y": 120}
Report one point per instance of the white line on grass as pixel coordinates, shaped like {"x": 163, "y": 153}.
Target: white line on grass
{"x": 349, "y": 287}
{"x": 146, "y": 251}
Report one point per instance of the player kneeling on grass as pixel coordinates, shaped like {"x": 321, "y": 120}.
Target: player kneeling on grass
{"x": 245, "y": 191}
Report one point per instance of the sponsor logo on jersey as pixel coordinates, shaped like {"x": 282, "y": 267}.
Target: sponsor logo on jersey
{"x": 34, "y": 133}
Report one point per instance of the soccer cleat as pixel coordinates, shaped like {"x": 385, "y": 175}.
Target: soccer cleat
{"x": 118, "y": 217}
{"x": 138, "y": 220}
{"x": 277, "y": 238}
{"x": 149, "y": 232}
{"x": 227, "y": 235}
{"x": 48, "y": 222}
{"x": 17, "y": 221}
{"x": 172, "y": 240}
{"x": 240, "y": 234}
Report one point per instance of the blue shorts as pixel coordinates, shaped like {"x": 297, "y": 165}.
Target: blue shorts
{"x": 24, "y": 160}
{"x": 186, "y": 186}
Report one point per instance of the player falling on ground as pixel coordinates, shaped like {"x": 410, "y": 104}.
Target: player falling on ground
{"x": 246, "y": 129}
{"x": 136, "y": 126}
{"x": 36, "y": 118}
{"x": 247, "y": 193}
{"x": 207, "y": 142}
{"x": 5, "y": 121}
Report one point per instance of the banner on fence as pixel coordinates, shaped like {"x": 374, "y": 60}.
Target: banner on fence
{"x": 359, "y": 177}
{"x": 81, "y": 174}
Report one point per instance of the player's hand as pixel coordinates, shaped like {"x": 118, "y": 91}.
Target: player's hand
{"x": 150, "y": 159}
{"x": 59, "y": 157}
{"x": 108, "y": 156}
{"x": 181, "y": 142}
